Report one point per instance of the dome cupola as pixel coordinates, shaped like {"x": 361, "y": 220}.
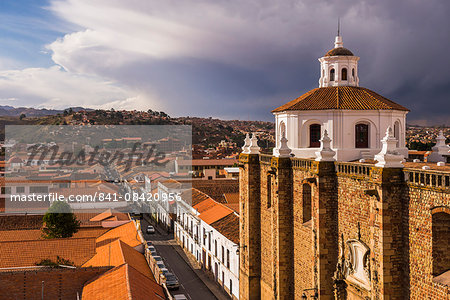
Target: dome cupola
{"x": 339, "y": 66}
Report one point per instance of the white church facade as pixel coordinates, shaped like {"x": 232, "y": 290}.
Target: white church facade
{"x": 355, "y": 118}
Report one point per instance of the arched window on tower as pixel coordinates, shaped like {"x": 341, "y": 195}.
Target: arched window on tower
{"x": 397, "y": 132}
{"x": 441, "y": 239}
{"x": 332, "y": 75}
{"x": 314, "y": 135}
{"x": 344, "y": 74}
{"x": 307, "y": 205}
{"x": 353, "y": 73}
{"x": 361, "y": 135}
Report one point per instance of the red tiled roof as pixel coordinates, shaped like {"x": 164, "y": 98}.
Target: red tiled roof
{"x": 127, "y": 233}
{"x": 211, "y": 211}
{"x": 229, "y": 227}
{"x": 340, "y": 97}
{"x": 122, "y": 282}
{"x": 117, "y": 253}
{"x": 36, "y": 234}
{"x": 28, "y": 253}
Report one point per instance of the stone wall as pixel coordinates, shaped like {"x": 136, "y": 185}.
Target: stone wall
{"x": 388, "y": 216}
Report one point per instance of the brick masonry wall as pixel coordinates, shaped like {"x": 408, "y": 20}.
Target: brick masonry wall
{"x": 58, "y": 283}
{"x": 303, "y": 238}
{"x": 268, "y": 249}
{"x": 418, "y": 219}
{"x": 379, "y": 209}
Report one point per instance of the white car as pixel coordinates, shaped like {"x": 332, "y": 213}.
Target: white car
{"x": 150, "y": 229}
{"x": 180, "y": 297}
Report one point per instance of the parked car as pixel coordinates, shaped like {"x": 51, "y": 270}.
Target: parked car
{"x": 164, "y": 271}
{"x": 151, "y": 248}
{"x": 160, "y": 265}
{"x": 150, "y": 229}
{"x": 180, "y": 297}
{"x": 157, "y": 258}
{"x": 149, "y": 243}
{"x": 172, "y": 282}
{"x": 153, "y": 253}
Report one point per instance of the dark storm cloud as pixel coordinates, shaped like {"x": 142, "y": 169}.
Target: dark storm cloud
{"x": 240, "y": 59}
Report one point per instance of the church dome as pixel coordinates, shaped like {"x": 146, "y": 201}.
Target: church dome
{"x": 340, "y": 51}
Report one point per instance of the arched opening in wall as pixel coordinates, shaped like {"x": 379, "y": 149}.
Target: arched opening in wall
{"x": 314, "y": 135}
{"x": 361, "y": 135}
{"x": 397, "y": 132}
{"x": 353, "y": 73}
{"x": 441, "y": 242}
{"x": 307, "y": 203}
{"x": 332, "y": 75}
{"x": 344, "y": 74}
{"x": 269, "y": 191}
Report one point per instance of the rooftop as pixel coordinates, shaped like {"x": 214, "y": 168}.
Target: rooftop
{"x": 340, "y": 97}
{"x": 122, "y": 282}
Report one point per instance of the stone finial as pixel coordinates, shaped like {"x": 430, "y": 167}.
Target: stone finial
{"x": 283, "y": 150}
{"x": 253, "y": 148}
{"x": 245, "y": 148}
{"x": 389, "y": 156}
{"x": 325, "y": 152}
{"x": 439, "y": 149}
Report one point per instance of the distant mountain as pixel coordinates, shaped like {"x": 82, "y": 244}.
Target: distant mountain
{"x": 9, "y": 111}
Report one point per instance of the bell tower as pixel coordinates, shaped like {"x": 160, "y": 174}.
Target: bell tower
{"x": 339, "y": 67}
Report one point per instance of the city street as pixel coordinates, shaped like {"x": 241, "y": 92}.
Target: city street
{"x": 190, "y": 284}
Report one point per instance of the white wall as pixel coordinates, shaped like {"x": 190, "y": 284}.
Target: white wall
{"x": 340, "y": 125}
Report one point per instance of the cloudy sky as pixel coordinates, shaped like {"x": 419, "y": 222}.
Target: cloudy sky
{"x": 223, "y": 58}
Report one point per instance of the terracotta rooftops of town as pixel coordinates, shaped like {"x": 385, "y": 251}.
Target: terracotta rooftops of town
{"x": 16, "y": 222}
{"x": 215, "y": 188}
{"x": 340, "y": 97}
{"x": 122, "y": 282}
{"x": 208, "y": 162}
{"x": 117, "y": 253}
{"x": 29, "y": 253}
{"x": 211, "y": 211}
{"x": 36, "y": 234}
{"x": 228, "y": 226}
{"x": 127, "y": 233}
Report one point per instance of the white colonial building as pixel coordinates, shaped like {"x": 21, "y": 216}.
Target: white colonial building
{"x": 355, "y": 118}
{"x": 208, "y": 231}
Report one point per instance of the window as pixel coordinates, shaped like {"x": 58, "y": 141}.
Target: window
{"x": 228, "y": 258}
{"x": 6, "y": 190}
{"x": 332, "y": 75}
{"x": 204, "y": 236}
{"x": 215, "y": 248}
{"x": 314, "y": 135}
{"x": 353, "y": 73}
{"x": 209, "y": 241}
{"x": 223, "y": 255}
{"x": 269, "y": 191}
{"x": 39, "y": 189}
{"x": 397, "y": 132}
{"x": 361, "y": 136}
{"x": 307, "y": 205}
{"x": 441, "y": 242}
{"x": 344, "y": 74}
{"x": 20, "y": 189}
{"x": 231, "y": 287}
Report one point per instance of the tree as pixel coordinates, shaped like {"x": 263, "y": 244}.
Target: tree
{"x": 60, "y": 221}
{"x": 22, "y": 116}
